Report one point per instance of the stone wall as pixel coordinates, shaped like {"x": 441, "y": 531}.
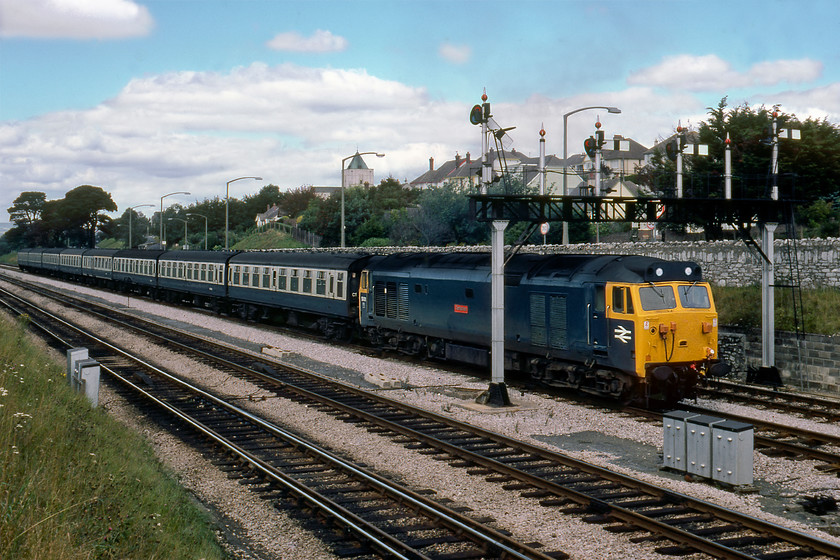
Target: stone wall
{"x": 733, "y": 263}
{"x": 811, "y": 362}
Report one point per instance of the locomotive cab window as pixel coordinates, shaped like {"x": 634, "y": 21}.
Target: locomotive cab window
{"x": 694, "y": 297}
{"x": 622, "y": 301}
{"x": 600, "y": 303}
{"x": 655, "y": 298}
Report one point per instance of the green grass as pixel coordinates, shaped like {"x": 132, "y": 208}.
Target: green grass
{"x": 74, "y": 483}
{"x": 820, "y": 309}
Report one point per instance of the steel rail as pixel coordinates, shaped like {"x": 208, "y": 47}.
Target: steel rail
{"x": 506, "y": 547}
{"x": 673, "y": 533}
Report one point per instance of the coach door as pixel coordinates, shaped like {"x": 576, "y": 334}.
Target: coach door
{"x": 596, "y": 311}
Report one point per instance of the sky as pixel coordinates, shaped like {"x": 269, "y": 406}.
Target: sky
{"x": 147, "y": 97}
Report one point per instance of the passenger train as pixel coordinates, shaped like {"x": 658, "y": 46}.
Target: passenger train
{"x": 632, "y": 328}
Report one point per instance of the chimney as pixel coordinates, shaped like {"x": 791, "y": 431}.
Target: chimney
{"x": 457, "y": 159}
{"x": 468, "y": 158}
{"x": 431, "y": 164}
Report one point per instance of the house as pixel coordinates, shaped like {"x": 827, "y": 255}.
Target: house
{"x": 466, "y": 172}
{"x": 271, "y": 214}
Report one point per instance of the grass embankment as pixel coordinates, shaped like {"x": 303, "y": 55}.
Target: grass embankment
{"x": 74, "y": 483}
{"x": 820, "y": 309}
{"x": 269, "y": 239}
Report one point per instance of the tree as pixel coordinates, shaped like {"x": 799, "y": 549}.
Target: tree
{"x": 295, "y": 202}
{"x": 81, "y": 208}
{"x": 140, "y": 225}
{"x": 27, "y": 208}
{"x": 809, "y": 169}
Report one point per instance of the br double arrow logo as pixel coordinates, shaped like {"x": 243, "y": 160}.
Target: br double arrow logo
{"x": 623, "y": 334}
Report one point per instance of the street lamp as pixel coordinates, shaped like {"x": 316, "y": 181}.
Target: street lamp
{"x": 161, "y": 213}
{"x": 565, "y": 155}
{"x": 227, "y": 199}
{"x": 342, "y": 186}
{"x": 185, "y": 227}
{"x": 205, "y": 226}
{"x": 130, "y": 212}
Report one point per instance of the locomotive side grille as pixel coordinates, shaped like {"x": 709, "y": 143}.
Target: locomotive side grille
{"x": 538, "y": 330}
{"x": 379, "y": 299}
{"x": 391, "y": 300}
{"x": 402, "y": 306}
{"x": 557, "y": 320}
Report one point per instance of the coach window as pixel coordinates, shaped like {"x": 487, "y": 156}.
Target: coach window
{"x": 321, "y": 283}
{"x": 281, "y": 280}
{"x": 307, "y": 281}
{"x": 339, "y": 289}
{"x": 294, "y": 280}
{"x": 266, "y": 278}
{"x": 204, "y": 273}
{"x": 236, "y": 273}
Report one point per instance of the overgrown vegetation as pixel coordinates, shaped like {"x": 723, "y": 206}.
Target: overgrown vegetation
{"x": 76, "y": 484}
{"x": 271, "y": 239}
{"x": 819, "y": 309}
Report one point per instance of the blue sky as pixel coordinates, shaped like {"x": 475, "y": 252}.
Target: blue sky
{"x": 145, "y": 97}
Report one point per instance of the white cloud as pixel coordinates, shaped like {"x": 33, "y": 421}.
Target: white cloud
{"x": 292, "y": 125}
{"x": 457, "y": 54}
{"x": 74, "y": 19}
{"x": 196, "y": 130}
{"x": 712, "y": 73}
{"x": 319, "y": 42}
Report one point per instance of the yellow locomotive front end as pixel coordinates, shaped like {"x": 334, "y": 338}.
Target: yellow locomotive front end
{"x": 675, "y": 340}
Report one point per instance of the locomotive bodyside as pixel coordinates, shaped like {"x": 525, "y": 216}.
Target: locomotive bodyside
{"x": 579, "y": 321}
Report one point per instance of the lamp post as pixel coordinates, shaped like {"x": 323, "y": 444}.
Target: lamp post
{"x": 205, "y": 226}
{"x": 227, "y": 203}
{"x": 565, "y": 154}
{"x": 185, "y": 227}
{"x": 130, "y": 212}
{"x": 342, "y": 186}
{"x": 161, "y": 213}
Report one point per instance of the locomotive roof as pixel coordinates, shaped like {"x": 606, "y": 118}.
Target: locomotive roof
{"x": 578, "y": 267}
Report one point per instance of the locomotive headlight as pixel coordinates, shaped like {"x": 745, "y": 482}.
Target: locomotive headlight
{"x": 659, "y": 271}
{"x": 688, "y": 271}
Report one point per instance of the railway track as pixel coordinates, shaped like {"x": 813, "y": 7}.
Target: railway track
{"x": 789, "y": 402}
{"x": 375, "y": 517}
{"x": 681, "y": 524}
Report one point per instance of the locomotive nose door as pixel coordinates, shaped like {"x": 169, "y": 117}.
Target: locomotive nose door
{"x": 596, "y": 316}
